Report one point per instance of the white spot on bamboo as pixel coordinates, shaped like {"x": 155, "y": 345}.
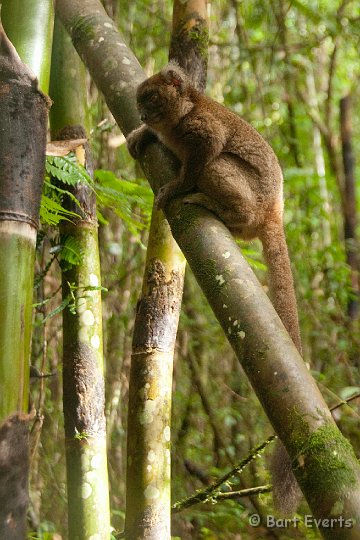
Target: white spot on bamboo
{"x": 126, "y": 61}
{"x": 151, "y": 492}
{"x": 224, "y": 306}
{"x": 94, "y": 280}
{"x": 147, "y": 416}
{"x": 86, "y": 491}
{"x": 226, "y": 255}
{"x": 88, "y": 318}
{"x": 167, "y": 433}
{"x": 151, "y": 456}
{"x": 91, "y": 476}
{"x": 149, "y": 468}
{"x": 108, "y": 25}
{"x": 95, "y": 341}
{"x": 241, "y": 334}
{"x": 96, "y": 461}
{"x": 100, "y": 40}
{"x": 236, "y": 322}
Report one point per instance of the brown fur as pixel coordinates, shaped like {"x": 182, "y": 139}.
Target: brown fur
{"x": 231, "y": 167}
{"x": 235, "y": 174}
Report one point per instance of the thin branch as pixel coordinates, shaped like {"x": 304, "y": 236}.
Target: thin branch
{"x": 212, "y": 491}
{"x": 233, "y": 393}
{"x": 329, "y": 110}
{"x": 344, "y": 402}
{"x": 249, "y": 492}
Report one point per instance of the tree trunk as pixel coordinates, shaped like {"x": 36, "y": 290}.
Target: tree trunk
{"x": 319, "y": 162}
{"x": 350, "y": 217}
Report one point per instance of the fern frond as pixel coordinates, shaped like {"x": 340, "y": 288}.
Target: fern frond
{"x": 121, "y": 195}
{"x": 67, "y": 170}
{"x": 51, "y": 212}
{"x": 71, "y": 251}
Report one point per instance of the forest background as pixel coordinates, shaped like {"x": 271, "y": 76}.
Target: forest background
{"x": 285, "y": 67}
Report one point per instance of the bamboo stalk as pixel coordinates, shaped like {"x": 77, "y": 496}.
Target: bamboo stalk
{"x": 23, "y": 117}
{"x": 23, "y": 126}
{"x": 83, "y": 363}
{"x": 148, "y": 498}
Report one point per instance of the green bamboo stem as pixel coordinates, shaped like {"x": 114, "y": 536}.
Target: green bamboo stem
{"x": 17, "y": 254}
{"x": 68, "y": 84}
{"x": 83, "y": 363}
{"x": 149, "y": 427}
{"x": 23, "y": 121}
{"x": 148, "y": 497}
{"x": 29, "y": 26}
{"x": 84, "y": 393}
{"x": 21, "y": 176}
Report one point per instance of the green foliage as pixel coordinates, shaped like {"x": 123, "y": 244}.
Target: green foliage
{"x": 122, "y": 196}
{"x": 70, "y": 251}
{"x": 51, "y": 211}
{"x": 132, "y": 202}
{"x": 45, "y": 532}
{"x": 253, "y": 73}
{"x": 67, "y": 170}
{"x": 70, "y": 301}
{"x": 60, "y": 171}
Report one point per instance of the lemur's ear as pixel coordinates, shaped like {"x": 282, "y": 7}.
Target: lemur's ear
{"x": 174, "y": 75}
